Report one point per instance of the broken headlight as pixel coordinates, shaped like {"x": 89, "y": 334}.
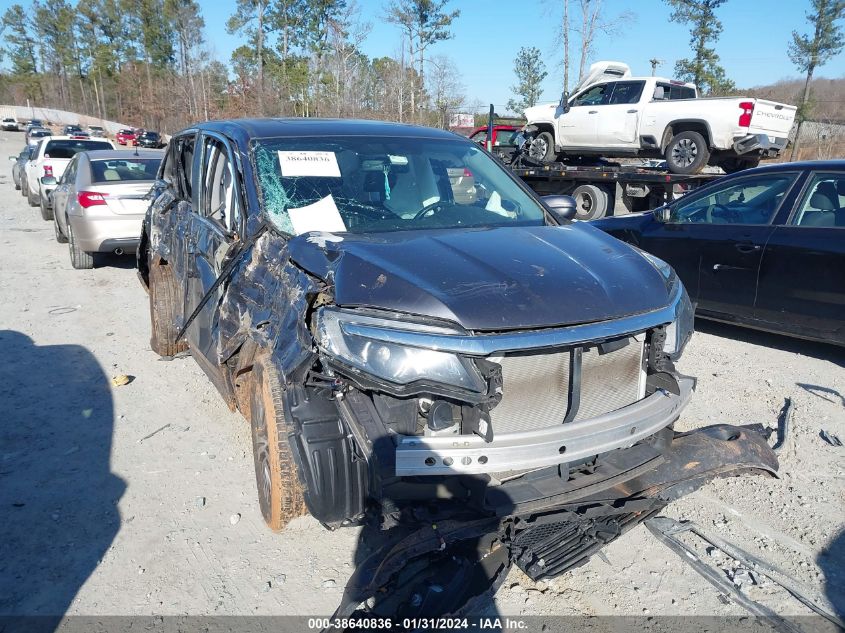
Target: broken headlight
{"x": 679, "y": 331}
{"x": 353, "y": 340}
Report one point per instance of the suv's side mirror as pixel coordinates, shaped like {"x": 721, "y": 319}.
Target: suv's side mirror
{"x": 13, "y": 158}
{"x": 562, "y": 208}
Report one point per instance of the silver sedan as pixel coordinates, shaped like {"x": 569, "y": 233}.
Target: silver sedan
{"x": 101, "y": 200}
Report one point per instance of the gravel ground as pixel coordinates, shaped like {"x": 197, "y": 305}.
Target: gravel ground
{"x": 140, "y": 499}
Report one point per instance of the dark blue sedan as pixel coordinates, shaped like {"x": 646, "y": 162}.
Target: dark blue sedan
{"x": 764, "y": 247}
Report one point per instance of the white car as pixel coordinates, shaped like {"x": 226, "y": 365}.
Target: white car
{"x": 10, "y": 124}
{"x": 613, "y": 114}
{"x": 52, "y": 157}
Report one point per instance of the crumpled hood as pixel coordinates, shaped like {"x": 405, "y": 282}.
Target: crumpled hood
{"x": 487, "y": 279}
{"x": 542, "y": 112}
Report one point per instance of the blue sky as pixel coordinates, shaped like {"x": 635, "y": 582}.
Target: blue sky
{"x": 489, "y": 33}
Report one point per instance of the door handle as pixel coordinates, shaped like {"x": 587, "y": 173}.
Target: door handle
{"x": 632, "y": 111}
{"x": 593, "y": 112}
{"x": 746, "y": 247}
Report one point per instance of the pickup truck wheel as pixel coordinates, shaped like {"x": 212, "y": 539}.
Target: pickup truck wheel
{"x": 591, "y": 202}
{"x": 164, "y": 305}
{"x": 46, "y": 212}
{"x": 687, "y": 153}
{"x": 732, "y": 165}
{"x": 543, "y": 147}
{"x": 279, "y": 489}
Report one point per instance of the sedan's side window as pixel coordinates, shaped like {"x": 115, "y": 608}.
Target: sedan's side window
{"x": 824, "y": 202}
{"x": 752, "y": 200}
{"x": 70, "y": 172}
{"x": 218, "y": 199}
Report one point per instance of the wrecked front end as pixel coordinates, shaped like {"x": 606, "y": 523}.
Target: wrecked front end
{"x": 463, "y": 453}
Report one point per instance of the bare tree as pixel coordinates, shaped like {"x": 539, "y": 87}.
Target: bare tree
{"x": 808, "y": 52}
{"x": 446, "y": 89}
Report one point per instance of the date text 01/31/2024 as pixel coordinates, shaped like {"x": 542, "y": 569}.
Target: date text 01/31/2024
{"x": 387, "y": 624}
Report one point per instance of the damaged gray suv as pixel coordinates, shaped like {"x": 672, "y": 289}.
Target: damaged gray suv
{"x": 415, "y": 337}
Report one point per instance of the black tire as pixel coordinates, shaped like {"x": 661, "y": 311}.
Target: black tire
{"x": 733, "y": 165}
{"x": 164, "y": 307}
{"x": 46, "y": 212}
{"x": 79, "y": 259}
{"x": 687, "y": 153}
{"x": 280, "y": 493}
{"x": 18, "y": 185}
{"x": 60, "y": 237}
{"x": 543, "y": 148}
{"x": 591, "y": 202}
{"x": 24, "y": 188}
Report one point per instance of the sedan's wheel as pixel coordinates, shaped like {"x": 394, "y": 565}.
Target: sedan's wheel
{"x": 542, "y": 148}
{"x": 591, "y": 202}
{"x": 164, "y": 306}
{"x": 33, "y": 202}
{"x": 79, "y": 259}
{"x": 24, "y": 188}
{"x": 279, "y": 489}
{"x": 17, "y": 186}
{"x": 60, "y": 237}
{"x": 687, "y": 153}
{"x": 46, "y": 212}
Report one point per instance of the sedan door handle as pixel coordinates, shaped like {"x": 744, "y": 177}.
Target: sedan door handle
{"x": 632, "y": 111}
{"x": 747, "y": 247}
{"x": 593, "y": 112}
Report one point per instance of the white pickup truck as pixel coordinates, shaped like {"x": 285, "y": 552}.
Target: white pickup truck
{"x": 612, "y": 114}
{"x": 50, "y": 159}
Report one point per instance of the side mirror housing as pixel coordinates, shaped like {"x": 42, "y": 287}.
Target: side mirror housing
{"x": 13, "y": 158}
{"x": 562, "y": 208}
{"x": 48, "y": 180}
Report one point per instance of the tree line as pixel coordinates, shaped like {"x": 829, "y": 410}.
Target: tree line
{"x": 148, "y": 62}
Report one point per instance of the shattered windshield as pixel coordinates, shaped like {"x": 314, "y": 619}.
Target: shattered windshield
{"x": 372, "y": 184}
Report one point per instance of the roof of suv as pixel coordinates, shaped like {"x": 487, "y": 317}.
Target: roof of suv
{"x": 246, "y": 129}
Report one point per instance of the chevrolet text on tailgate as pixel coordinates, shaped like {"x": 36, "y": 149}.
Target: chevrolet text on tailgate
{"x": 613, "y": 114}
{"x": 410, "y": 351}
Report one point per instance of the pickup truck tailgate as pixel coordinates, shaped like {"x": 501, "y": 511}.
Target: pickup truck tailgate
{"x": 774, "y": 119}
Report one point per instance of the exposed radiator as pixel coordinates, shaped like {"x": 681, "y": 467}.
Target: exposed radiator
{"x": 536, "y": 386}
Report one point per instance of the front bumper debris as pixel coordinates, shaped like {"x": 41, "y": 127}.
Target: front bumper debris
{"x": 400, "y": 579}
{"x": 466, "y": 454}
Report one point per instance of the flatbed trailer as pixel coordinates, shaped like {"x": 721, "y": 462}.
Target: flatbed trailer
{"x": 610, "y": 190}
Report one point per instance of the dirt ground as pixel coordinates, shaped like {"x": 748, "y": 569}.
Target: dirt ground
{"x": 140, "y": 499}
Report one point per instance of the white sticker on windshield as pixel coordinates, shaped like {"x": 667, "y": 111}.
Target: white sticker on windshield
{"x": 316, "y": 164}
{"x": 320, "y": 216}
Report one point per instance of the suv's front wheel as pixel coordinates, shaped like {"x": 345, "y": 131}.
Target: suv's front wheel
{"x": 279, "y": 489}
{"x": 164, "y": 306}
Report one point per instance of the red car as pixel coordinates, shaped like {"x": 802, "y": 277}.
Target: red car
{"x": 502, "y": 135}
{"x": 124, "y": 137}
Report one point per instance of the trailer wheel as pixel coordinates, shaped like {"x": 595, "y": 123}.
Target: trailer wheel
{"x": 591, "y": 202}
{"x": 543, "y": 147}
{"x": 686, "y": 153}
